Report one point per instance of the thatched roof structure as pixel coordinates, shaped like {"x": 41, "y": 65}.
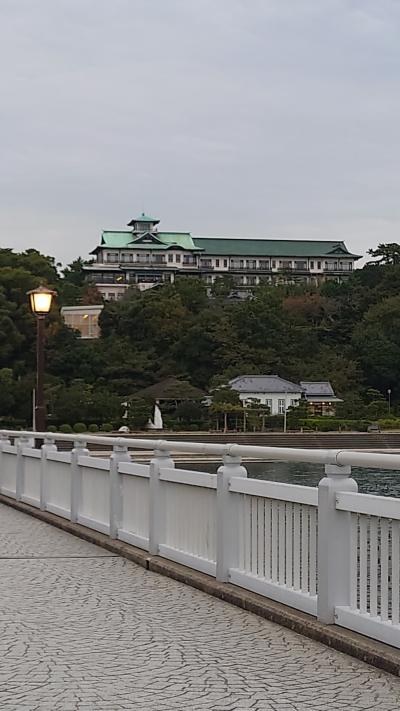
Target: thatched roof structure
{"x": 170, "y": 389}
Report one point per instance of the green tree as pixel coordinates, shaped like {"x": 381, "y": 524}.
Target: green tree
{"x": 139, "y": 413}
{"x": 387, "y": 253}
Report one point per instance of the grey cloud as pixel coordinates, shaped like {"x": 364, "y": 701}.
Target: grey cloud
{"x": 262, "y": 118}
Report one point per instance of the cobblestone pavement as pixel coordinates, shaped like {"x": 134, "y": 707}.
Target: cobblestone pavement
{"x": 84, "y": 630}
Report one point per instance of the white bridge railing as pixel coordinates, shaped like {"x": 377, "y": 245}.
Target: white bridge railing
{"x": 328, "y": 551}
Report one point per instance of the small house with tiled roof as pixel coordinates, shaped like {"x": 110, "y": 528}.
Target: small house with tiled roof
{"x": 279, "y": 394}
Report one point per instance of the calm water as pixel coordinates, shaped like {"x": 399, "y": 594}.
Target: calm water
{"x": 370, "y": 481}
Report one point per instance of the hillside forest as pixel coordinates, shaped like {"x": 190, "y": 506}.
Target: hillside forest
{"x": 347, "y": 333}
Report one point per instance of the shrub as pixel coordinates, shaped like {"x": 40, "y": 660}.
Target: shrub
{"x": 51, "y": 428}
{"x": 80, "y": 427}
{"x": 389, "y": 423}
{"x": 274, "y": 422}
{"x": 333, "y": 424}
{"x": 93, "y": 428}
{"x": 66, "y": 429}
{"x": 106, "y": 427}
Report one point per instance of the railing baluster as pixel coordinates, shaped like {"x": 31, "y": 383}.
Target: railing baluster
{"x": 261, "y": 538}
{"x": 79, "y": 450}
{"x": 296, "y": 546}
{"x": 274, "y": 541}
{"x": 254, "y": 535}
{"x": 289, "y": 545}
{"x": 48, "y": 446}
{"x": 282, "y": 542}
{"x": 395, "y": 572}
{"x": 334, "y": 535}
{"x": 363, "y": 563}
{"x": 304, "y": 549}
{"x": 353, "y": 561}
{"x": 119, "y": 454}
{"x": 268, "y": 539}
{"x": 247, "y": 532}
{"x": 313, "y": 550}
{"x": 227, "y": 515}
{"x": 22, "y": 442}
{"x": 160, "y": 459}
{"x": 373, "y": 566}
{"x": 384, "y": 568}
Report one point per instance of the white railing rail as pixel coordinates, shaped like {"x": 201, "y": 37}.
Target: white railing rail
{"x": 327, "y": 550}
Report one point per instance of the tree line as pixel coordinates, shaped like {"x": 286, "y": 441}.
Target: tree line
{"x": 347, "y": 333}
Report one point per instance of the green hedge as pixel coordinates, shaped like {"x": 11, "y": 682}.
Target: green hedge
{"x": 80, "y": 427}
{"x": 66, "y": 429}
{"x": 106, "y": 427}
{"x": 392, "y": 423}
{"x": 334, "y": 424}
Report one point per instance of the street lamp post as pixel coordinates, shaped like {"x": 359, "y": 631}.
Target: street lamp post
{"x": 40, "y": 302}
{"x": 389, "y": 392}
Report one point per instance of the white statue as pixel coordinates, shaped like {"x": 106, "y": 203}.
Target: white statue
{"x": 157, "y": 422}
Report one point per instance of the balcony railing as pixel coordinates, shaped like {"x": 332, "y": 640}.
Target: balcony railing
{"x": 338, "y": 268}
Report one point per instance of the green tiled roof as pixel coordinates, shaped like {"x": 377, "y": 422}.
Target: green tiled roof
{"x": 164, "y": 240}
{"x": 182, "y": 239}
{"x": 145, "y": 218}
{"x": 272, "y": 247}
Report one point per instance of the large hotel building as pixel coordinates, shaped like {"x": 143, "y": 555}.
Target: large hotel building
{"x": 143, "y": 256}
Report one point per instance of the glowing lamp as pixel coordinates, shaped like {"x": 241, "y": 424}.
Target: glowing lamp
{"x": 40, "y": 300}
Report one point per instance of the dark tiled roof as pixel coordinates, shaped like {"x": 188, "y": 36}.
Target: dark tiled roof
{"x": 264, "y": 384}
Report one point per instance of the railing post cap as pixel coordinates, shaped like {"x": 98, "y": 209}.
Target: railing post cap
{"x": 337, "y": 470}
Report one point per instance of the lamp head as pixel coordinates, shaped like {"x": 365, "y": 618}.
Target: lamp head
{"x": 40, "y": 300}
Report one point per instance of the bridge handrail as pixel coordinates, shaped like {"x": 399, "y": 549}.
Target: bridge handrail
{"x": 338, "y": 457}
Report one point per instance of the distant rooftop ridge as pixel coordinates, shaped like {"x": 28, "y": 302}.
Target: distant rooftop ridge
{"x": 223, "y": 246}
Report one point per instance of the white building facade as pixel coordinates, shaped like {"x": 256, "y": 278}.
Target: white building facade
{"x": 279, "y": 394}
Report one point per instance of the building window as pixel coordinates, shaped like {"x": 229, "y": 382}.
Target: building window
{"x": 112, "y": 257}
{"x": 350, "y": 266}
{"x": 251, "y": 263}
{"x": 319, "y": 265}
{"x": 217, "y": 262}
{"x": 177, "y": 257}
{"x": 170, "y": 257}
{"x": 293, "y": 402}
{"x": 311, "y": 265}
{"x": 143, "y": 226}
{"x": 281, "y": 407}
{"x": 269, "y": 405}
{"x": 225, "y": 262}
{"x": 273, "y": 264}
{"x": 264, "y": 263}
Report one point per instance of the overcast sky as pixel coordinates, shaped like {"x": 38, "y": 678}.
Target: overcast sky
{"x": 248, "y": 118}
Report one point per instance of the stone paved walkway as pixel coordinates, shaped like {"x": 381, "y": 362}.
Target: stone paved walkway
{"x": 82, "y": 629}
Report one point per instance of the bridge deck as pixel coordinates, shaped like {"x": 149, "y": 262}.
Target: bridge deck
{"x": 82, "y": 629}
